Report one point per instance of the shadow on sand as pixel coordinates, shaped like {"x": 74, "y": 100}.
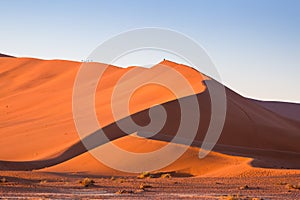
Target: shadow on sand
{"x": 250, "y": 130}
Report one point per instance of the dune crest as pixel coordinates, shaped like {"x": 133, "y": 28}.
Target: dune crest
{"x": 4, "y": 55}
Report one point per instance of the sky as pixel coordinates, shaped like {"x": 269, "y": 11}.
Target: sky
{"x": 255, "y": 44}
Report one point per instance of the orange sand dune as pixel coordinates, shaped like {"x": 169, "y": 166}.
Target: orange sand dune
{"x": 38, "y": 131}
{"x": 214, "y": 165}
{"x": 188, "y": 163}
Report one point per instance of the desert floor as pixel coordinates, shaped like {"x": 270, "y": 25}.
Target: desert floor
{"x": 45, "y": 185}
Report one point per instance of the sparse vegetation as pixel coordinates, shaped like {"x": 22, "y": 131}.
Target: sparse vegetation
{"x": 139, "y": 191}
{"x": 244, "y": 187}
{"x": 121, "y": 180}
{"x": 154, "y": 175}
{"x": 145, "y": 175}
{"x": 43, "y": 181}
{"x": 282, "y": 183}
{"x": 166, "y": 175}
{"x": 230, "y": 197}
{"x": 144, "y": 186}
{"x": 293, "y": 187}
{"x": 3, "y": 180}
{"x": 238, "y": 197}
{"x": 86, "y": 182}
{"x": 124, "y": 192}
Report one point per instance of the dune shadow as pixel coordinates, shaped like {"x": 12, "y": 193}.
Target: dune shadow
{"x": 243, "y": 133}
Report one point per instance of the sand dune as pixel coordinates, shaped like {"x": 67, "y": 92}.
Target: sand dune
{"x": 38, "y": 131}
{"x": 3, "y": 55}
{"x": 288, "y": 110}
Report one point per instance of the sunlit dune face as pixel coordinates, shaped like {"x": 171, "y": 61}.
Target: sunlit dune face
{"x": 123, "y": 92}
{"x": 136, "y": 144}
{"x": 37, "y": 101}
{"x": 154, "y": 93}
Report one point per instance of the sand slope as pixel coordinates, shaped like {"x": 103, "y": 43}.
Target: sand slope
{"x": 38, "y": 131}
{"x": 288, "y": 110}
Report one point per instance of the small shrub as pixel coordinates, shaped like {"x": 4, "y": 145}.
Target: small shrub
{"x": 282, "y": 183}
{"x": 144, "y": 175}
{"x": 165, "y": 176}
{"x": 43, "y": 181}
{"x": 139, "y": 191}
{"x": 291, "y": 186}
{"x": 245, "y": 187}
{"x": 231, "y": 197}
{"x": 238, "y": 197}
{"x": 124, "y": 192}
{"x": 3, "y": 180}
{"x": 144, "y": 186}
{"x": 86, "y": 182}
{"x": 121, "y": 180}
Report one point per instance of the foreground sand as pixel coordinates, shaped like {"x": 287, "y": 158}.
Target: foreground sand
{"x": 36, "y": 185}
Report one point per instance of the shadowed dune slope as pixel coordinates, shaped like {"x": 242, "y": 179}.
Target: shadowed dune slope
{"x": 38, "y": 131}
{"x": 289, "y": 110}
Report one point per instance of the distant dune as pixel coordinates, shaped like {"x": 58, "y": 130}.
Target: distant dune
{"x": 3, "y": 55}
{"x": 289, "y": 110}
{"x": 38, "y": 132}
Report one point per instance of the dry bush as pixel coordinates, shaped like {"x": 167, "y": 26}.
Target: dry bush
{"x": 124, "y": 192}
{"x": 144, "y": 186}
{"x": 291, "y": 186}
{"x": 86, "y": 182}
{"x": 3, "y": 180}
{"x": 238, "y": 197}
{"x": 166, "y": 175}
{"x": 145, "y": 175}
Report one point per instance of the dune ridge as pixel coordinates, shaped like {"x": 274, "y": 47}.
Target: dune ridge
{"x": 4, "y": 55}
{"x": 38, "y": 131}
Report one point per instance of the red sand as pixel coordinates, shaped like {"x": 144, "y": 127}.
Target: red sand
{"x": 37, "y": 124}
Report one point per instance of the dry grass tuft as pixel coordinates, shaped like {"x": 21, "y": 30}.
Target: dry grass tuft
{"x": 238, "y": 197}
{"x": 230, "y": 197}
{"x": 144, "y": 186}
{"x": 244, "y": 187}
{"x": 86, "y": 182}
{"x": 145, "y": 175}
{"x": 124, "y": 192}
{"x": 293, "y": 187}
{"x": 43, "y": 181}
{"x": 3, "y": 180}
{"x": 166, "y": 175}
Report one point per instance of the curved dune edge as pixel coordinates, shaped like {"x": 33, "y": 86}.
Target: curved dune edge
{"x": 188, "y": 163}
{"x": 214, "y": 165}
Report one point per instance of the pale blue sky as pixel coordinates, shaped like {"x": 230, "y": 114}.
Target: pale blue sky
{"x": 254, "y": 44}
